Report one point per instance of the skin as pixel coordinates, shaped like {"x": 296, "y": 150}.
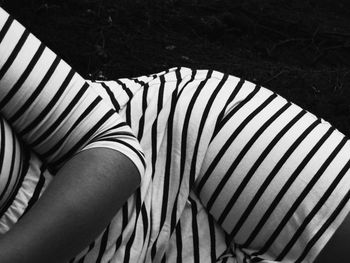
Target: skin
{"x": 85, "y": 194}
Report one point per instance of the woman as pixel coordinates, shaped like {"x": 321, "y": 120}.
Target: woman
{"x": 233, "y": 172}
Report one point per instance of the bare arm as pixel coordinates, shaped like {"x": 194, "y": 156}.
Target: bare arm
{"x": 86, "y": 193}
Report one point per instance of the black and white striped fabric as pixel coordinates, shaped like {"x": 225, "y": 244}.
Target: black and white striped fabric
{"x": 234, "y": 172}
{"x": 239, "y": 173}
{"x": 51, "y": 109}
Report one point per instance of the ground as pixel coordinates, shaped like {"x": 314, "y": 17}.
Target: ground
{"x": 300, "y": 48}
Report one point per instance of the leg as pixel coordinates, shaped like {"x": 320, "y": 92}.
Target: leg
{"x": 276, "y": 179}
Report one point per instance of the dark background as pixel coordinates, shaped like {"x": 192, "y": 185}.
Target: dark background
{"x": 300, "y": 49}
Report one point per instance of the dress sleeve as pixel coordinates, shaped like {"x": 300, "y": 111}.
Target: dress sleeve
{"x": 50, "y": 106}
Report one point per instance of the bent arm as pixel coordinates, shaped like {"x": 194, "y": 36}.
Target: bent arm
{"x": 87, "y": 191}
{"x": 98, "y": 159}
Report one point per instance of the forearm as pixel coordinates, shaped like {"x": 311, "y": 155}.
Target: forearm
{"x": 85, "y": 195}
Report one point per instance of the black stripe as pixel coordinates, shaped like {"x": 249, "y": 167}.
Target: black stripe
{"x": 2, "y": 147}
{"x": 255, "y": 166}
{"x": 144, "y": 221}
{"x": 326, "y": 225}
{"x": 5, "y": 28}
{"x": 140, "y": 82}
{"x": 178, "y": 243}
{"x": 49, "y": 106}
{"x": 133, "y": 235}
{"x": 128, "y": 246}
{"x": 174, "y": 99}
{"x": 91, "y": 246}
{"x": 212, "y": 235}
{"x": 217, "y": 158}
{"x": 160, "y": 95}
{"x": 166, "y": 181}
{"x": 195, "y": 233}
{"x": 154, "y": 249}
{"x": 111, "y": 96}
{"x": 14, "y": 53}
{"x": 103, "y": 244}
{"x": 154, "y": 158}
{"x": 128, "y": 114}
{"x": 37, "y": 91}
{"x": 285, "y": 188}
{"x": 241, "y": 154}
{"x": 128, "y": 91}
{"x": 154, "y": 153}
{"x": 23, "y": 77}
{"x": 144, "y": 107}
{"x": 168, "y": 159}
{"x": 230, "y": 99}
{"x": 138, "y": 201}
{"x": 125, "y": 220}
{"x": 319, "y": 204}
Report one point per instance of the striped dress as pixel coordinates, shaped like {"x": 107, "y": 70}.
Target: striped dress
{"x": 231, "y": 172}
